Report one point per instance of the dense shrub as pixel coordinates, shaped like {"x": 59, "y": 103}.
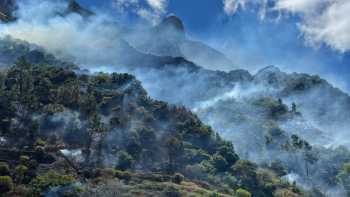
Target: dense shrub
{"x": 19, "y": 191}
{"x": 25, "y": 160}
{"x": 108, "y": 173}
{"x": 40, "y": 142}
{"x": 4, "y": 169}
{"x": 54, "y": 137}
{"x": 157, "y": 178}
{"x": 119, "y": 174}
{"x": 124, "y": 160}
{"x": 98, "y": 172}
{"x": 178, "y": 178}
{"x": 39, "y": 152}
{"x": 5, "y": 183}
{"x": 127, "y": 175}
{"x": 172, "y": 191}
{"x": 242, "y": 193}
{"x": 19, "y": 172}
{"x": 51, "y": 179}
{"x": 214, "y": 194}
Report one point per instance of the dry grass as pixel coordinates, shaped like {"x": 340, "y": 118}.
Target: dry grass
{"x": 147, "y": 188}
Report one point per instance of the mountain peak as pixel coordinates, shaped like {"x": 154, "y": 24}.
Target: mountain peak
{"x": 172, "y": 24}
{"x": 270, "y": 69}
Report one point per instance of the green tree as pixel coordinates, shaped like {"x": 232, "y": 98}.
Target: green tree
{"x": 20, "y": 74}
{"x": 276, "y": 166}
{"x": 97, "y": 127}
{"x": 124, "y": 160}
{"x": 87, "y": 106}
{"x": 245, "y": 171}
{"x": 219, "y": 162}
{"x": 34, "y": 128}
{"x": 42, "y": 91}
{"x": 308, "y": 157}
{"x": 173, "y": 147}
{"x": 19, "y": 173}
{"x": 229, "y": 154}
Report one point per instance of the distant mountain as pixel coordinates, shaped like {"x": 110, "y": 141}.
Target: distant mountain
{"x": 7, "y": 7}
{"x": 169, "y": 39}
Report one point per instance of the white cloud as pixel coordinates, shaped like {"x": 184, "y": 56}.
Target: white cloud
{"x": 231, "y": 6}
{"x": 157, "y": 8}
{"x": 322, "y": 21}
{"x": 119, "y": 5}
{"x": 158, "y": 4}
{"x": 331, "y": 27}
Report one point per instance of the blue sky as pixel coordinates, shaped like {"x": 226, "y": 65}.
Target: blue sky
{"x": 253, "y": 35}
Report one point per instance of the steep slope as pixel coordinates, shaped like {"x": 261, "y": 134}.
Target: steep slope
{"x": 73, "y": 127}
{"x": 242, "y": 107}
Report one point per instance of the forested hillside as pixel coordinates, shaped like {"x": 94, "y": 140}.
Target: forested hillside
{"x": 108, "y": 110}
{"x": 94, "y": 127}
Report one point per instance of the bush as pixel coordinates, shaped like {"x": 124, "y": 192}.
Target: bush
{"x": 98, "y": 172}
{"x": 5, "y": 183}
{"x": 19, "y": 191}
{"x": 19, "y": 172}
{"x": 178, "y": 178}
{"x": 243, "y": 193}
{"x": 124, "y": 160}
{"x": 32, "y": 163}
{"x": 214, "y": 194}
{"x": 51, "y": 179}
{"x": 51, "y": 148}
{"x": 157, "y": 178}
{"x": 13, "y": 150}
{"x": 25, "y": 160}
{"x": 127, "y": 175}
{"x": 108, "y": 173}
{"x": 284, "y": 193}
{"x": 172, "y": 191}
{"x": 54, "y": 137}
{"x": 119, "y": 174}
{"x": 4, "y": 169}
{"x": 39, "y": 152}
{"x": 40, "y": 142}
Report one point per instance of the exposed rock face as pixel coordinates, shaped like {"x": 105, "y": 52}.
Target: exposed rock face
{"x": 169, "y": 39}
{"x": 75, "y": 7}
{"x": 172, "y": 24}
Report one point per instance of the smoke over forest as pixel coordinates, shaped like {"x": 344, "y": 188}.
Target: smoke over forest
{"x": 103, "y": 109}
